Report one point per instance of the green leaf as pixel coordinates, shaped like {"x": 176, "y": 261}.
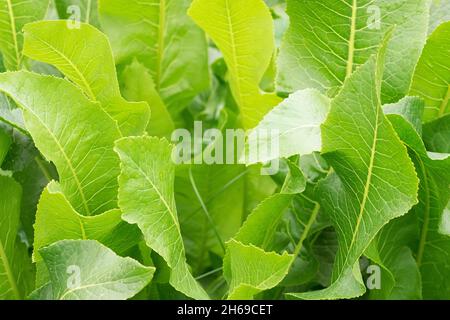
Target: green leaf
{"x": 57, "y": 220}
{"x": 87, "y": 270}
{"x": 362, "y": 195}
{"x": 14, "y": 14}
{"x": 432, "y": 76}
{"x": 243, "y": 31}
{"x": 138, "y": 85}
{"x": 249, "y": 270}
{"x": 328, "y": 40}
{"x": 432, "y": 248}
{"x": 84, "y": 56}
{"x": 87, "y": 13}
{"x": 162, "y": 37}
{"x": 5, "y": 143}
{"x": 73, "y": 133}
{"x": 436, "y": 133}
{"x": 293, "y": 125}
{"x": 203, "y": 194}
{"x": 146, "y": 197}
{"x": 15, "y": 266}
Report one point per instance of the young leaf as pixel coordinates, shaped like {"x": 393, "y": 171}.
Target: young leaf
{"x": 84, "y": 56}
{"x": 72, "y": 132}
{"x": 243, "y": 31}
{"x": 57, "y": 220}
{"x": 138, "y": 85}
{"x": 87, "y": 270}
{"x": 15, "y": 265}
{"x": 432, "y": 77}
{"x": 249, "y": 270}
{"x": 14, "y": 14}
{"x": 294, "y": 124}
{"x": 146, "y": 197}
{"x": 362, "y": 195}
{"x": 328, "y": 40}
{"x": 162, "y": 37}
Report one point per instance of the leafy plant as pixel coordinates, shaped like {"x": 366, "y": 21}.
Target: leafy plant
{"x": 224, "y": 149}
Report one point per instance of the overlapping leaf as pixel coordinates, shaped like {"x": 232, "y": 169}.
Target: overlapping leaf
{"x": 146, "y": 197}
{"x": 328, "y": 40}
{"x": 362, "y": 195}
{"x": 84, "y": 56}
{"x": 162, "y": 37}
{"x": 72, "y": 132}
{"x": 87, "y": 270}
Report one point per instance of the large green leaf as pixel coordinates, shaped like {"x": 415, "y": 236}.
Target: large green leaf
{"x": 243, "y": 31}
{"x": 293, "y": 125}
{"x": 327, "y": 41}
{"x": 87, "y": 270}
{"x": 362, "y": 195}
{"x": 14, "y": 14}
{"x": 432, "y": 76}
{"x": 84, "y": 56}
{"x": 57, "y": 220}
{"x": 146, "y": 197}
{"x": 72, "y": 132}
{"x": 15, "y": 265}
{"x": 162, "y": 37}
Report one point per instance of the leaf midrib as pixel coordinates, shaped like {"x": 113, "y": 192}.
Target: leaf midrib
{"x": 12, "y": 21}
{"x": 444, "y": 102}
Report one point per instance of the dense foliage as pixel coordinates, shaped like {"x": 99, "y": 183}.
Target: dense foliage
{"x": 99, "y": 199}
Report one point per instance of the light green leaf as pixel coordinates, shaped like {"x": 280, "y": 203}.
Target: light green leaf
{"x": 249, "y": 270}
{"x": 436, "y": 135}
{"x": 87, "y": 10}
{"x": 146, "y": 197}
{"x": 432, "y": 76}
{"x": 138, "y": 85}
{"x": 14, "y": 14}
{"x": 73, "y": 133}
{"x": 15, "y": 266}
{"x": 162, "y": 37}
{"x": 327, "y": 41}
{"x": 87, "y": 270}
{"x": 243, "y": 31}
{"x": 57, "y": 220}
{"x": 362, "y": 195}
{"x": 84, "y": 56}
{"x": 293, "y": 125}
